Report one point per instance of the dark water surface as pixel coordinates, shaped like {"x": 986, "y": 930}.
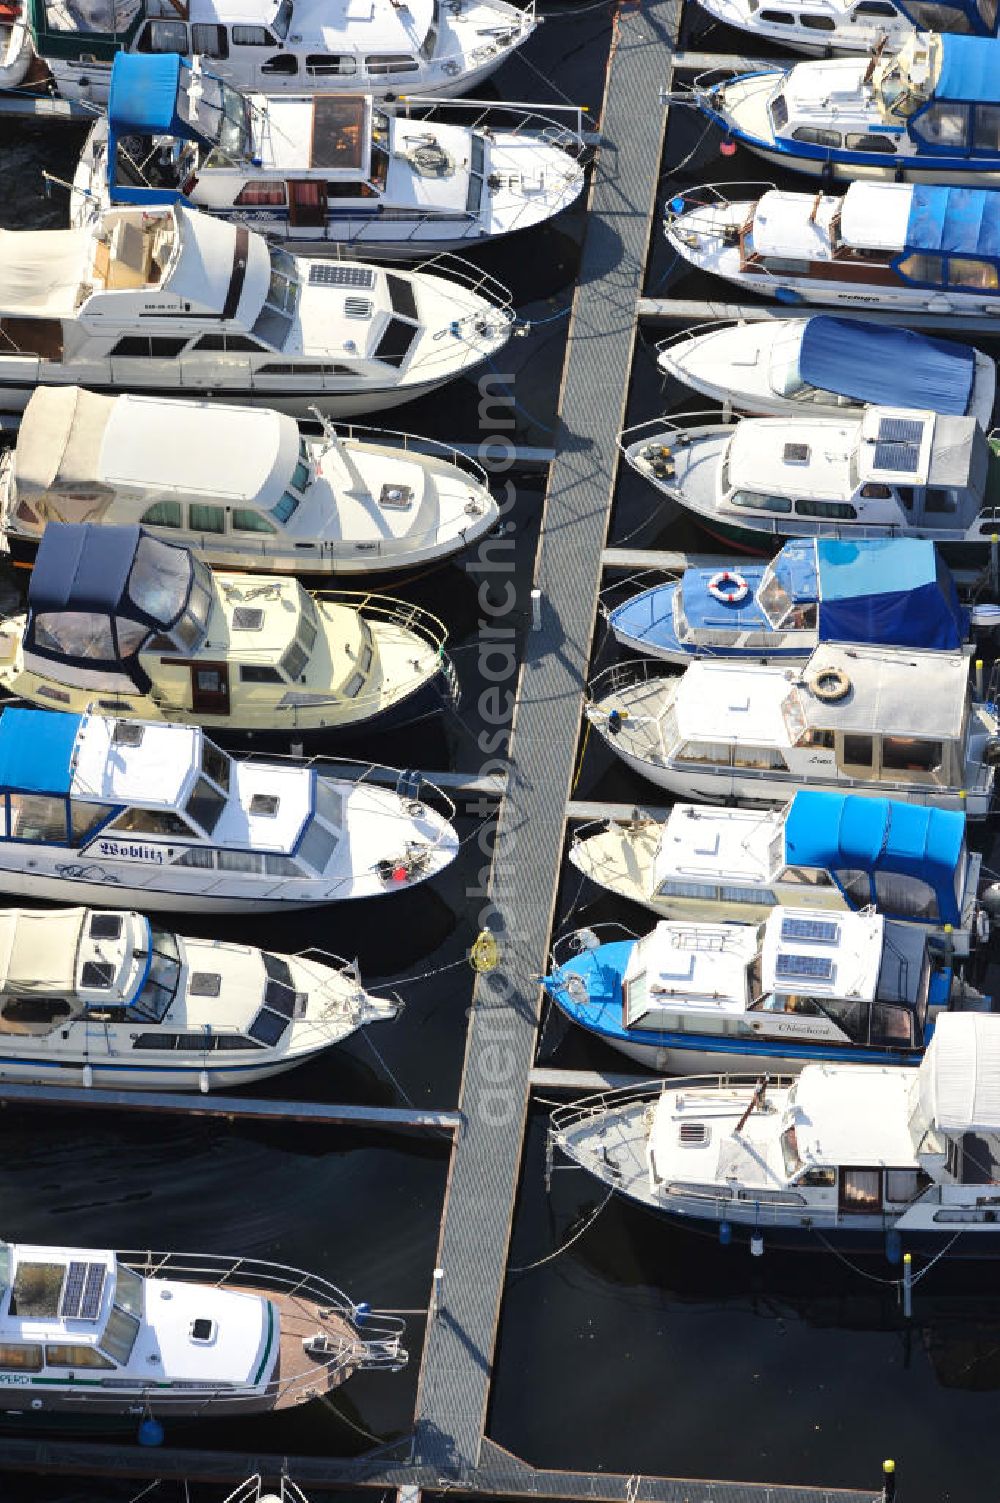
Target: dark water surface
{"x": 640, "y": 1349}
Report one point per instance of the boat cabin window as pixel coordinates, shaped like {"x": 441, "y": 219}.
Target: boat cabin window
{"x": 759, "y": 758}
{"x": 818, "y": 1178}
{"x": 33, "y": 1014}
{"x": 951, "y": 271}
{"x": 380, "y": 65}
{"x": 202, "y": 518}
{"x": 119, "y": 1335}
{"x": 891, "y": 1026}
{"x": 275, "y": 319}
{"x": 931, "y": 15}
{"x": 76, "y": 1356}
{"x": 841, "y": 511}
{"x": 153, "y": 822}
{"x": 75, "y": 634}
{"x": 251, "y": 521}
{"x": 20, "y": 1356}
{"x": 778, "y": 17}
{"x": 812, "y": 136}
{"x": 209, "y": 40}
{"x": 986, "y": 128}
{"x": 805, "y": 876}
{"x": 818, "y": 23}
{"x": 865, "y": 141}
{"x": 779, "y": 112}
{"x": 253, "y": 36}
{"x": 283, "y": 64}
{"x": 142, "y": 347}
{"x": 943, "y": 125}
{"x": 160, "y": 986}
{"x": 254, "y": 194}
{"x": 317, "y": 846}
{"x": 35, "y": 817}
{"x": 858, "y": 751}
{"x": 907, "y": 754}
{"x": 790, "y": 1151}
{"x": 163, "y": 36}
{"x": 205, "y": 805}
{"x": 331, "y": 64}
{"x": 904, "y": 1185}
{"x": 163, "y": 514}
{"x": 860, "y": 1191}
{"x": 718, "y": 753}
{"x": 905, "y": 896}
{"x": 758, "y": 501}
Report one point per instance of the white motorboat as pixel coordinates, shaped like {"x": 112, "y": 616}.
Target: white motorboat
{"x": 279, "y": 46}
{"x": 923, "y": 114}
{"x": 906, "y": 247}
{"x": 851, "y": 26}
{"x": 826, "y": 366}
{"x": 864, "y": 1157}
{"x": 891, "y": 472}
{"x": 692, "y": 996}
{"x": 175, "y": 303}
{"x": 117, "y": 615}
{"x": 244, "y": 488}
{"x": 92, "y": 1332}
{"x": 825, "y": 852}
{"x": 882, "y": 722}
{"x": 104, "y": 811}
{"x": 98, "y": 998}
{"x": 327, "y": 170}
{"x": 16, "y": 50}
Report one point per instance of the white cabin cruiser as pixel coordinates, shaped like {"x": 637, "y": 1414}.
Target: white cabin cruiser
{"x": 105, "y": 811}
{"x": 852, "y": 26}
{"x": 826, "y": 366}
{"x": 796, "y": 988}
{"x": 97, "y": 998}
{"x": 825, "y": 852}
{"x": 286, "y": 46}
{"x": 176, "y": 303}
{"x": 905, "y": 246}
{"x": 926, "y": 113}
{"x": 117, "y": 614}
{"x": 883, "y": 722}
{"x": 243, "y": 487}
{"x": 92, "y": 1332}
{"x": 863, "y": 1157}
{"x": 892, "y": 472}
{"x": 324, "y": 170}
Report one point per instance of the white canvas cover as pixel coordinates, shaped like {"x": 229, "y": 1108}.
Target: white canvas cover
{"x": 59, "y": 441}
{"x": 874, "y": 216}
{"x": 38, "y": 950}
{"x": 41, "y": 271}
{"x": 960, "y": 1074}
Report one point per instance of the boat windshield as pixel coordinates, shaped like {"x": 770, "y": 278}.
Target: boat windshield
{"x": 282, "y": 19}
{"x": 124, "y": 1321}
{"x": 790, "y": 1151}
{"x": 275, "y": 319}
{"x": 205, "y": 804}
{"x": 192, "y": 626}
{"x": 773, "y": 599}
{"x": 223, "y": 116}
{"x": 162, "y": 980}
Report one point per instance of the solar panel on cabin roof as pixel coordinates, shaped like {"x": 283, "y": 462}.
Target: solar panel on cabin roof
{"x": 82, "y": 1292}
{"x": 809, "y": 967}
{"x": 321, "y": 274}
{"x": 897, "y": 444}
{"x": 819, "y": 931}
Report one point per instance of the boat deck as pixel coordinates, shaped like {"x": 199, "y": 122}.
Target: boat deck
{"x": 301, "y": 1376}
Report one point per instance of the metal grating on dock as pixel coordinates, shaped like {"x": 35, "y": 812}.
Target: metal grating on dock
{"x": 455, "y": 1380}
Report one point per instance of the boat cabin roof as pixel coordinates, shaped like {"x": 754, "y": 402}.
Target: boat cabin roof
{"x": 369, "y": 24}
{"x": 87, "y": 957}
{"x": 847, "y": 1114}
{"x": 73, "y": 441}
{"x": 822, "y": 955}
{"x": 328, "y": 132}
{"x": 733, "y": 842}
{"x": 832, "y": 457}
{"x": 705, "y": 964}
{"x": 908, "y": 693}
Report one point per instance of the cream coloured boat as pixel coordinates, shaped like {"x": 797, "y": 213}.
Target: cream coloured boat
{"x": 139, "y": 628}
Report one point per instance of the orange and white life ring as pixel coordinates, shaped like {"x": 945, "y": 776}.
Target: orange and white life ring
{"x": 728, "y": 587}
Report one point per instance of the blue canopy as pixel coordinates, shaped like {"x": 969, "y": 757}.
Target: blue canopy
{"x": 143, "y": 95}
{"x": 894, "y": 591}
{"x": 895, "y": 367}
{"x": 965, "y": 221}
{"x": 969, "y": 69}
{"x": 838, "y": 831}
{"x": 36, "y": 750}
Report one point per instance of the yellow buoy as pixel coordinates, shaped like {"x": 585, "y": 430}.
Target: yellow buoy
{"x": 485, "y": 952}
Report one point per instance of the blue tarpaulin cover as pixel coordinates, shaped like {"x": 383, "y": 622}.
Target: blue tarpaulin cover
{"x": 894, "y": 367}
{"x": 83, "y": 568}
{"x": 970, "y": 67}
{"x": 962, "y": 220}
{"x": 36, "y": 750}
{"x": 895, "y": 591}
{"x": 845, "y": 831}
{"x": 143, "y": 95}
